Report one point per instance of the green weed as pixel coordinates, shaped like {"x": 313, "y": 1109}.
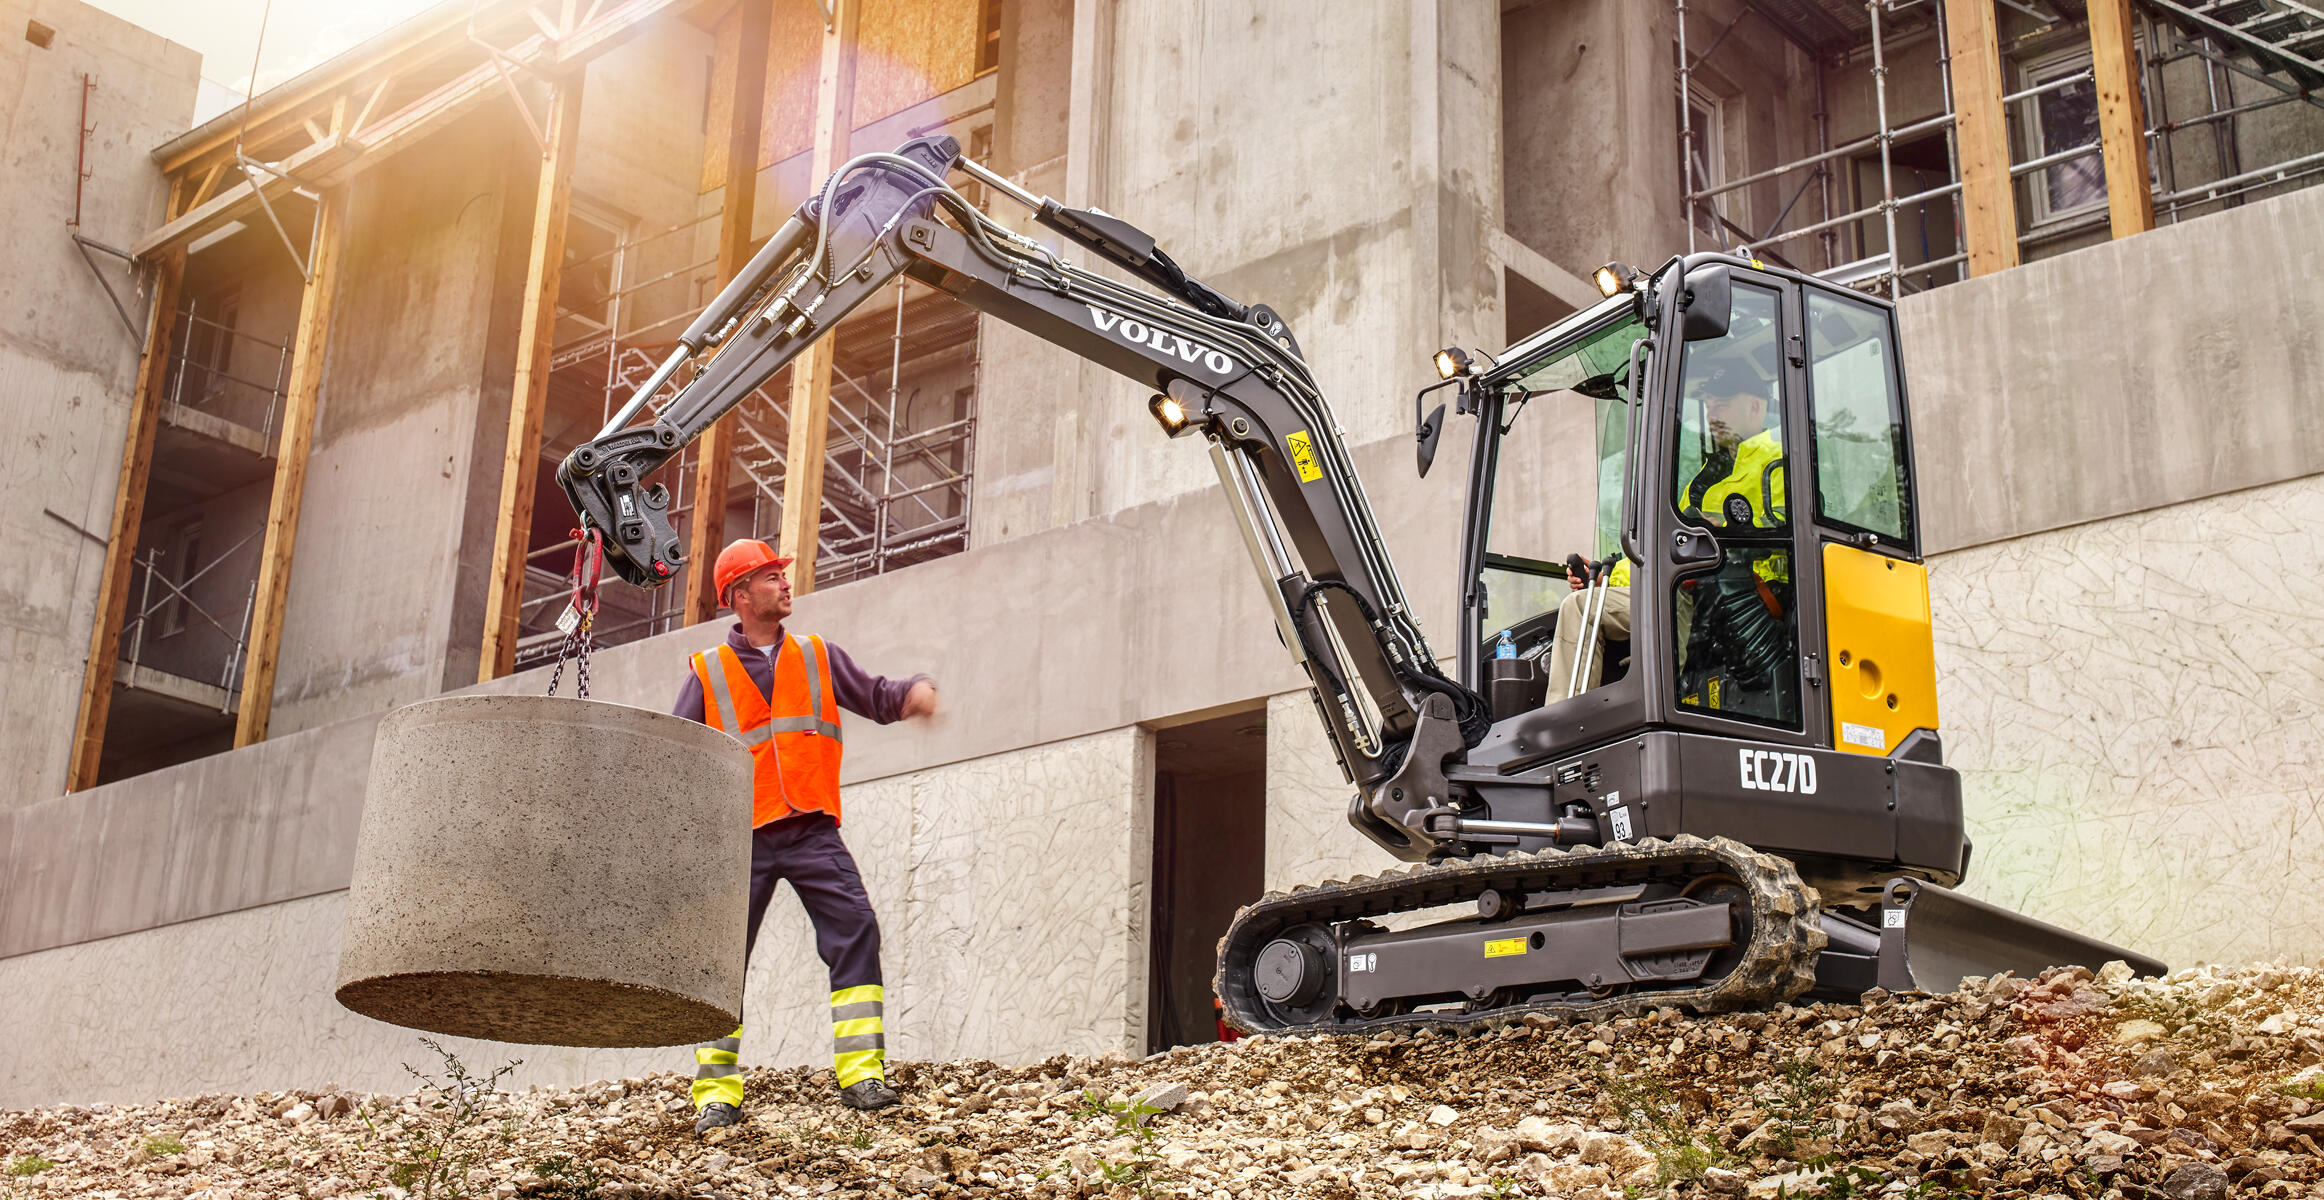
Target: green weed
{"x": 1141, "y": 1170}
{"x": 1651, "y": 1111}
{"x": 2306, "y": 1087}
{"x": 564, "y": 1179}
{"x": 30, "y": 1164}
{"x": 164, "y": 1146}
{"x": 419, "y": 1147}
{"x": 1795, "y": 1112}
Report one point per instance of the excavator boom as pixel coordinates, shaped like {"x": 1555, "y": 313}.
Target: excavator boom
{"x": 1231, "y": 372}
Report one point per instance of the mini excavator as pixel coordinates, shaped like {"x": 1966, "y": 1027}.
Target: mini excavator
{"x": 1742, "y": 802}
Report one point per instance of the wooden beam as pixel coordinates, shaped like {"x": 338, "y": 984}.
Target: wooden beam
{"x": 714, "y": 453}
{"x": 529, "y": 398}
{"x": 305, "y": 385}
{"x": 1981, "y": 134}
{"x": 342, "y": 158}
{"x": 811, "y": 372}
{"x": 2114, "y": 64}
{"x": 128, "y": 513}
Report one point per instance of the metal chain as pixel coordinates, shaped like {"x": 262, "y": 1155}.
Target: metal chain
{"x": 580, "y": 618}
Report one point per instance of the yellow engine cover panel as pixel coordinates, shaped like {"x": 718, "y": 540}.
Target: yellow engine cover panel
{"x": 1882, "y": 656}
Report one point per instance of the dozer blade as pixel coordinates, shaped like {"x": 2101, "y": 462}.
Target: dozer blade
{"x": 1933, "y": 937}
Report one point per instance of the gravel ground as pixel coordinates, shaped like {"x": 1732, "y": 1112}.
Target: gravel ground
{"x": 2197, "y": 1087}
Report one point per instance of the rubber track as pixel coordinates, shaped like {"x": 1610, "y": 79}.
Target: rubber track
{"x": 1778, "y": 963}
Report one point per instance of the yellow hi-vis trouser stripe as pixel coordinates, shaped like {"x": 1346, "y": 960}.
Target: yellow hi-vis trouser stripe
{"x": 859, "y": 1040}
{"x": 717, "y": 1077}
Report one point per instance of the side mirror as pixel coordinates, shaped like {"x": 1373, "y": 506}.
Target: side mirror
{"x": 1705, "y": 304}
{"x": 1431, "y": 428}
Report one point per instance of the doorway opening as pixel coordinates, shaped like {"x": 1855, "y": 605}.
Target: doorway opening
{"x": 1210, "y": 858}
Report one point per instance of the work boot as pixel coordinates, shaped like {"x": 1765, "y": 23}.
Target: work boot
{"x": 718, "y": 1115}
{"x": 867, "y": 1094}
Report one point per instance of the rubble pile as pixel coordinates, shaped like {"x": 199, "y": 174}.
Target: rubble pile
{"x": 2197, "y": 1087}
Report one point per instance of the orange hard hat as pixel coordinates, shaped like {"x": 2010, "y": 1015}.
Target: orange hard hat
{"x": 741, "y": 558}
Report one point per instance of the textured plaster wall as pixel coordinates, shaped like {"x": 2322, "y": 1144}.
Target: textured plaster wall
{"x": 1012, "y": 890}
{"x": 2134, "y": 705}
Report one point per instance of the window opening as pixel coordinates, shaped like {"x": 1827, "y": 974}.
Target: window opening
{"x": 1734, "y": 626}
{"x": 988, "y": 39}
{"x": 182, "y": 564}
{"x": 2059, "y": 121}
{"x": 1706, "y": 122}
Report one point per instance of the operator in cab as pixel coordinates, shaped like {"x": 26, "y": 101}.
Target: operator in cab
{"x": 779, "y": 693}
{"x": 1740, "y": 485}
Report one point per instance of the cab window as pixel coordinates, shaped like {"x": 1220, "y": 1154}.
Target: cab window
{"x": 1734, "y": 629}
{"x": 1562, "y": 425}
{"x": 1858, "y": 414}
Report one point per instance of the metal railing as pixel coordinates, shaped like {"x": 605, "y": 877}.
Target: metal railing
{"x": 232, "y": 375}
{"x": 178, "y": 592}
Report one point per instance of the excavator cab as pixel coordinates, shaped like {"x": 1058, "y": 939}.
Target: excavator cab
{"x": 1753, "y": 486}
{"x": 1729, "y": 444}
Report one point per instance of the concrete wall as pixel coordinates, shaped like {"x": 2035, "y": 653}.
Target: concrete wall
{"x": 404, "y": 442}
{"x": 977, "y": 963}
{"x": 1355, "y": 200}
{"x": 67, "y": 366}
{"x": 2177, "y": 364}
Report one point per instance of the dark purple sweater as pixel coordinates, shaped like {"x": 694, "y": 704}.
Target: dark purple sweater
{"x": 873, "y": 697}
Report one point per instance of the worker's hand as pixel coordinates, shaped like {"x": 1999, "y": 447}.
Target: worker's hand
{"x": 920, "y": 701}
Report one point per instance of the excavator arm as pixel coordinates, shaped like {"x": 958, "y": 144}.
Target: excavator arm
{"x": 1229, "y": 372}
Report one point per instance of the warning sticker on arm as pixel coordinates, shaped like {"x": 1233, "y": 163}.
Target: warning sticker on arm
{"x": 1303, "y": 457}
{"x": 1504, "y": 947}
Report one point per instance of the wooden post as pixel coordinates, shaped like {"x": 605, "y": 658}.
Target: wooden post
{"x": 2114, "y": 64}
{"x": 128, "y": 514}
{"x": 529, "y": 397}
{"x": 1981, "y": 131}
{"x": 811, "y": 372}
{"x": 714, "y": 453}
{"x": 290, "y": 471}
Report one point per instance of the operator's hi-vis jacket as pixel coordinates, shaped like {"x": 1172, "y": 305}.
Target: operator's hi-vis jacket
{"x": 1756, "y": 476}
{"x": 793, "y": 733}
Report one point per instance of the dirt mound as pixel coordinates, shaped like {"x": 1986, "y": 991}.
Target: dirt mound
{"x": 2200, "y": 1086}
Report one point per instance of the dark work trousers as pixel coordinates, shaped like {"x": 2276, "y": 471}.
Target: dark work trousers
{"x": 805, "y": 849}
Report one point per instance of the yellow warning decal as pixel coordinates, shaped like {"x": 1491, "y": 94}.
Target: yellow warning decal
{"x": 1504, "y": 947}
{"x": 1303, "y": 457}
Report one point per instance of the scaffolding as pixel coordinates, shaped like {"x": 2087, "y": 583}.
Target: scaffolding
{"x": 897, "y": 482}
{"x": 2257, "y": 40}
{"x": 220, "y": 371}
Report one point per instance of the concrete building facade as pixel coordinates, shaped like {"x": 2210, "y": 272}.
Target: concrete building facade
{"x": 2118, "y": 442}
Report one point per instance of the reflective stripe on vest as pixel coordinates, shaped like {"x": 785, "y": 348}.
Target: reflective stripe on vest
{"x": 795, "y": 755}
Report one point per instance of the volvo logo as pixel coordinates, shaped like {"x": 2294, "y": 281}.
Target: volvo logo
{"x": 1160, "y": 339}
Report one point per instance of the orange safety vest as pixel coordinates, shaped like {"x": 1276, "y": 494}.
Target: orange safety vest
{"x": 793, "y": 735}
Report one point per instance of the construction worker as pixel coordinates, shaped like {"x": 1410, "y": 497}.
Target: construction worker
{"x": 1740, "y": 476}
{"x": 780, "y": 694}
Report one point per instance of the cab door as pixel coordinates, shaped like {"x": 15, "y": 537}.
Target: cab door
{"x": 1878, "y": 648}
{"x": 1739, "y": 592}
